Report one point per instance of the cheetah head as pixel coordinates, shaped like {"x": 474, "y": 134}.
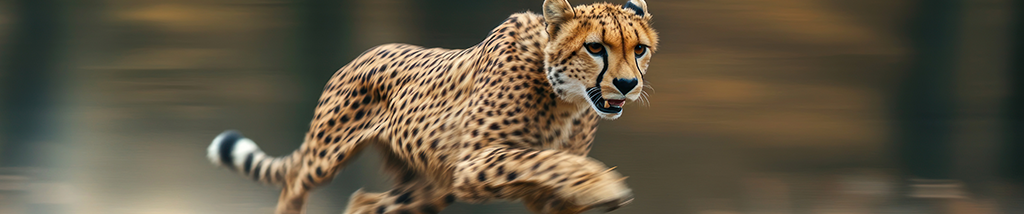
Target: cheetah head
{"x": 597, "y": 54}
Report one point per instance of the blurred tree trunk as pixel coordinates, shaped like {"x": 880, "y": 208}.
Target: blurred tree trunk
{"x": 1013, "y": 164}
{"x": 28, "y": 86}
{"x": 323, "y": 42}
{"x": 924, "y": 110}
{"x": 29, "y": 93}
{"x": 1012, "y": 156}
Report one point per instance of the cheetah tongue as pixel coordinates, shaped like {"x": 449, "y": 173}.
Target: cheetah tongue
{"x": 614, "y": 103}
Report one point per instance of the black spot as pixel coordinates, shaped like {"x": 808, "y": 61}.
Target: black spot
{"x": 481, "y": 176}
{"x": 495, "y": 126}
{"x": 511, "y": 176}
{"x": 359, "y": 115}
{"x": 344, "y": 118}
{"x": 319, "y": 172}
{"x": 404, "y": 198}
{"x": 380, "y": 209}
{"x": 341, "y": 156}
{"x": 449, "y": 199}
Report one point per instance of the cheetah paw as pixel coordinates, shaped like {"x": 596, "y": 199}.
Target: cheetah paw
{"x": 606, "y": 194}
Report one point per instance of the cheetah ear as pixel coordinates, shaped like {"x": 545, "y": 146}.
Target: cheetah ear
{"x": 557, "y": 12}
{"x": 638, "y": 6}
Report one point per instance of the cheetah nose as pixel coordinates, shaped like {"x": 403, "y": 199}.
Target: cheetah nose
{"x": 624, "y": 85}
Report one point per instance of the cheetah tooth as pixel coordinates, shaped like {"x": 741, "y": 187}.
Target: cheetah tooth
{"x": 606, "y": 105}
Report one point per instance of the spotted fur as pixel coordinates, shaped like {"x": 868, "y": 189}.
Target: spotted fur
{"x": 512, "y": 117}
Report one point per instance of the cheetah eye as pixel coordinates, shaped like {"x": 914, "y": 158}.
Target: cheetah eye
{"x": 639, "y": 50}
{"x": 594, "y": 48}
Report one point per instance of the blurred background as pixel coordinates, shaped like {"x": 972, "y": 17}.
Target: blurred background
{"x": 758, "y": 106}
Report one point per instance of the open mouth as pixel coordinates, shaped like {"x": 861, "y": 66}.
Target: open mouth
{"x": 605, "y": 106}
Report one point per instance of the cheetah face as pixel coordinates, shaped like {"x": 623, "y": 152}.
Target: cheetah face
{"x": 597, "y": 55}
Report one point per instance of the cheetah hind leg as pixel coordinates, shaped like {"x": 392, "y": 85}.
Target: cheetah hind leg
{"x": 317, "y": 169}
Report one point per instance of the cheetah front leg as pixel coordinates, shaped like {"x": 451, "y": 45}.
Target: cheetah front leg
{"x": 415, "y": 196}
{"x": 548, "y": 181}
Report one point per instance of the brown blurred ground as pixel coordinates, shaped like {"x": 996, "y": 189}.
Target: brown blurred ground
{"x": 758, "y": 106}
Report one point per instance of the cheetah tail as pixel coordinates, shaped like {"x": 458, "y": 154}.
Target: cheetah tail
{"x": 232, "y": 150}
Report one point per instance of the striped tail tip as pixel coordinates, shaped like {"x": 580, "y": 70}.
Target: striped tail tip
{"x": 232, "y": 150}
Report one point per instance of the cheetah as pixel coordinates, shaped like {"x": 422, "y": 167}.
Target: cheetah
{"x": 511, "y": 118}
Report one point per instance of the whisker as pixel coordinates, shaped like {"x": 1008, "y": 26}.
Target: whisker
{"x": 643, "y": 100}
{"x": 647, "y": 84}
{"x": 650, "y": 87}
{"x": 595, "y": 96}
{"x": 646, "y": 98}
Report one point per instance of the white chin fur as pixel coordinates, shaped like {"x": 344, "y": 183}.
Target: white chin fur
{"x": 607, "y": 116}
